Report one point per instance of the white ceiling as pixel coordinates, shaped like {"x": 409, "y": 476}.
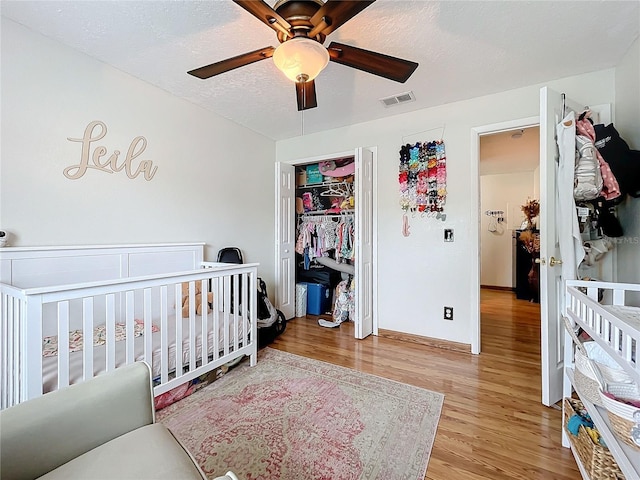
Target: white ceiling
{"x": 465, "y": 49}
{"x": 503, "y": 152}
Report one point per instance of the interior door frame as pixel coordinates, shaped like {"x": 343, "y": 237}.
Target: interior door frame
{"x": 476, "y": 133}
{"x": 374, "y": 226}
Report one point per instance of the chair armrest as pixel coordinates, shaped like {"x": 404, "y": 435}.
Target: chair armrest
{"x": 39, "y": 435}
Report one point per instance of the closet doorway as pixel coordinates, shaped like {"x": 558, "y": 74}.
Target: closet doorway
{"x": 509, "y": 171}
{"x": 363, "y": 239}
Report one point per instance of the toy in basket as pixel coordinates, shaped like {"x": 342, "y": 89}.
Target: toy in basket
{"x": 594, "y": 456}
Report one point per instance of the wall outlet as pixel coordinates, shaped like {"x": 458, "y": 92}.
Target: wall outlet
{"x": 448, "y": 234}
{"x": 448, "y": 313}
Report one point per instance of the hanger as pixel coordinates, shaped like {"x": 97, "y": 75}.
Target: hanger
{"x": 336, "y": 190}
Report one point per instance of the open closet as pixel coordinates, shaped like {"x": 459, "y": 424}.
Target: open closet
{"x": 325, "y": 240}
{"x": 324, "y": 228}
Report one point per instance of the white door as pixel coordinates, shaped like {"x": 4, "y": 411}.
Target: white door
{"x": 285, "y": 239}
{"x": 551, "y": 278}
{"x": 364, "y": 243}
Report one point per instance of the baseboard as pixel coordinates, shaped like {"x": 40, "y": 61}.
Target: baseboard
{"x": 495, "y": 287}
{"x": 427, "y": 341}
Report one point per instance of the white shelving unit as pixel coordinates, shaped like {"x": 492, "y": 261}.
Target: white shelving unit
{"x": 627, "y": 458}
{"x": 599, "y": 322}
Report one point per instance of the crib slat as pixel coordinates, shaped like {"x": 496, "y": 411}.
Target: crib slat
{"x": 179, "y": 333}
{"x": 164, "y": 313}
{"x": 618, "y": 297}
{"x": 31, "y": 349}
{"x": 225, "y": 314}
{"x": 245, "y": 311}
{"x": 204, "y": 305}
{"x": 87, "y": 340}
{"x": 217, "y": 303}
{"x": 110, "y": 312}
{"x": 192, "y": 327}
{"x": 63, "y": 344}
{"x": 148, "y": 347}
{"x": 9, "y": 360}
{"x": 129, "y": 321}
{"x": 10, "y": 350}
{"x": 236, "y": 310}
{"x": 4, "y": 344}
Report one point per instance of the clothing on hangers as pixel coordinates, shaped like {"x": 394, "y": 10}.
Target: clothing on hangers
{"x": 316, "y": 236}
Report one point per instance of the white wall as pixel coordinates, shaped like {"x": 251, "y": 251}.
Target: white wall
{"x": 505, "y": 192}
{"x": 627, "y": 122}
{"x": 214, "y": 181}
{"x": 419, "y": 274}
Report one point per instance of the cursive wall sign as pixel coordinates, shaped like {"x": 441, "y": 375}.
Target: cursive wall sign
{"x": 97, "y": 159}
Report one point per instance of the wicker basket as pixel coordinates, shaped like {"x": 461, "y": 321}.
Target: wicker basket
{"x": 623, "y": 418}
{"x": 584, "y": 379}
{"x": 585, "y": 376}
{"x": 596, "y": 459}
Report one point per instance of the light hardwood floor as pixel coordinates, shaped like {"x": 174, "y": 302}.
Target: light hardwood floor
{"x": 493, "y": 425}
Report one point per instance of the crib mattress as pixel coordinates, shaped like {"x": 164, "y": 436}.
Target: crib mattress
{"x": 50, "y": 364}
{"x": 629, "y": 315}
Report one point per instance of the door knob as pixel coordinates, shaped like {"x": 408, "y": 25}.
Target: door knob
{"x": 540, "y": 261}
{"x": 553, "y": 262}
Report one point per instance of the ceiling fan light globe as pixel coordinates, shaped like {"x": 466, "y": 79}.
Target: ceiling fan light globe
{"x": 300, "y": 58}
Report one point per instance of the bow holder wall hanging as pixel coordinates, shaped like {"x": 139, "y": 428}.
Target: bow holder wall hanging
{"x": 423, "y": 180}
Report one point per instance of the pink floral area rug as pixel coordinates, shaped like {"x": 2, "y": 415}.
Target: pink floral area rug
{"x": 294, "y": 418}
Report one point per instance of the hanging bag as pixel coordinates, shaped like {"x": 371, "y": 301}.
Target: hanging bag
{"x": 271, "y": 321}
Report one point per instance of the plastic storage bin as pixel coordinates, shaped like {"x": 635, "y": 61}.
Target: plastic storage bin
{"x": 318, "y": 297}
{"x": 301, "y": 299}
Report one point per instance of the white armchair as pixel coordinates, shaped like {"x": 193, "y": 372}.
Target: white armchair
{"x": 103, "y": 428}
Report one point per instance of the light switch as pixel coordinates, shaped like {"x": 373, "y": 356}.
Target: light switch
{"x": 448, "y": 234}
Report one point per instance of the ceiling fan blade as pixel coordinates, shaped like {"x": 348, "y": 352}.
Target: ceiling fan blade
{"x": 231, "y": 63}
{"x": 306, "y": 95}
{"x": 266, "y": 14}
{"x": 383, "y": 65}
{"x": 338, "y": 12}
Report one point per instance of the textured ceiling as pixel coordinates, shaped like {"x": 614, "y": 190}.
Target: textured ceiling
{"x": 465, "y": 49}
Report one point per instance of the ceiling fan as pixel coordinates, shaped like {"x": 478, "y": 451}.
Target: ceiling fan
{"x": 302, "y": 27}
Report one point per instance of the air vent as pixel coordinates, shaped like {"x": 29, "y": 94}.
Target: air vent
{"x": 398, "y": 99}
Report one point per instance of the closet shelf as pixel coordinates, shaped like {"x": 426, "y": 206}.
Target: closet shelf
{"x": 315, "y": 213}
{"x": 323, "y": 185}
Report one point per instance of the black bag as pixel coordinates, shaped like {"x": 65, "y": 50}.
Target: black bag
{"x": 623, "y": 161}
{"x": 266, "y": 335}
{"x": 271, "y": 321}
{"x": 605, "y": 218}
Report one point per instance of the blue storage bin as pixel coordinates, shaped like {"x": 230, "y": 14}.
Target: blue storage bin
{"x": 318, "y": 297}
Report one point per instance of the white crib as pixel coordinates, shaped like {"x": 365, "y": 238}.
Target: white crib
{"x": 610, "y": 315}
{"x": 604, "y": 311}
{"x": 69, "y": 313}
